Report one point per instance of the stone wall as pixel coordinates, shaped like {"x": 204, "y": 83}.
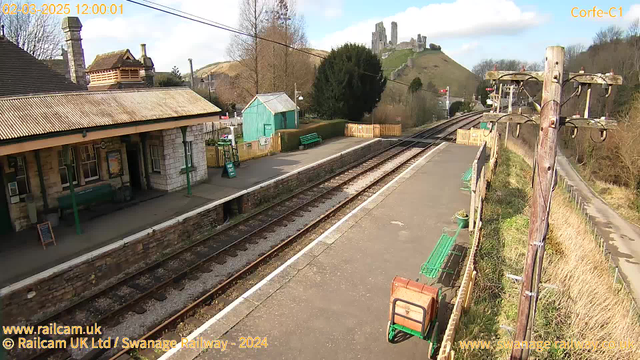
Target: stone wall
{"x": 174, "y": 157}
{"x": 271, "y": 192}
{"x": 95, "y": 273}
{"x": 52, "y": 182}
{"x": 52, "y": 291}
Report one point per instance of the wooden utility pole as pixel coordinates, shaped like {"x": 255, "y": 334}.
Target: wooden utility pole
{"x": 543, "y": 175}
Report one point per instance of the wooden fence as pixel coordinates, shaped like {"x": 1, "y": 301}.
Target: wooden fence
{"x": 246, "y": 150}
{"x": 372, "y": 131}
{"x": 482, "y": 173}
{"x": 473, "y": 136}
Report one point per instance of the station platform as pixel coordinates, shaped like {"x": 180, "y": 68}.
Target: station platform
{"x": 22, "y": 255}
{"x": 331, "y": 300}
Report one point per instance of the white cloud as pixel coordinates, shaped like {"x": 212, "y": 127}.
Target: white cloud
{"x": 633, "y": 13}
{"x": 170, "y": 40}
{"x": 330, "y": 9}
{"x": 445, "y": 20}
{"x": 464, "y": 49}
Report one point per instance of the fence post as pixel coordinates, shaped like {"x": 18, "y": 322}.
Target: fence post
{"x": 615, "y": 277}
{"x": 467, "y": 301}
{"x": 506, "y": 135}
{"x": 472, "y": 210}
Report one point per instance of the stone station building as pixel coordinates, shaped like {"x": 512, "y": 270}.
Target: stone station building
{"x": 63, "y": 147}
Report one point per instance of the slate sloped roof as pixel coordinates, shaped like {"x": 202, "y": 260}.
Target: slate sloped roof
{"x": 24, "y": 116}
{"x": 21, "y": 73}
{"x": 114, "y": 60}
{"x": 276, "y": 102}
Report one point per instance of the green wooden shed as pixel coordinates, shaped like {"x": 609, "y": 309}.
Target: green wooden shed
{"x": 267, "y": 113}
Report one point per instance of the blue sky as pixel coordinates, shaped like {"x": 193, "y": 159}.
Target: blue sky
{"x": 467, "y": 30}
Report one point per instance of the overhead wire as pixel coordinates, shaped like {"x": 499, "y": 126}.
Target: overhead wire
{"x": 188, "y": 16}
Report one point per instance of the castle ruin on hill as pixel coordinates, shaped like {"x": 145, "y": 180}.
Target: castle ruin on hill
{"x": 380, "y": 43}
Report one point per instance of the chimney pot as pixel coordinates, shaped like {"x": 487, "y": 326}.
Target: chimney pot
{"x": 143, "y": 49}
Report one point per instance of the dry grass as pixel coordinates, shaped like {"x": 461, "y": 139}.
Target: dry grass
{"x": 587, "y": 306}
{"x": 622, "y": 199}
{"x": 597, "y": 310}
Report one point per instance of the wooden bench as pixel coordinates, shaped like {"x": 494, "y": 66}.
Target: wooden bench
{"x": 310, "y": 139}
{"x": 466, "y": 179}
{"x": 87, "y": 196}
{"x": 434, "y": 264}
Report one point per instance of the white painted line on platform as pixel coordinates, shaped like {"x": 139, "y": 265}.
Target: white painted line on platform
{"x": 132, "y": 238}
{"x": 264, "y": 281}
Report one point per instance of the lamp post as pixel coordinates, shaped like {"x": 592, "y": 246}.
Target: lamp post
{"x": 297, "y": 96}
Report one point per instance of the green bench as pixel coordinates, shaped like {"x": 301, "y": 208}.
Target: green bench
{"x": 466, "y": 179}
{"x": 87, "y": 196}
{"x": 437, "y": 258}
{"x": 310, "y": 139}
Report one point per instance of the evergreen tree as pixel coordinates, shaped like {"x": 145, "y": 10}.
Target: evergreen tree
{"x": 349, "y": 83}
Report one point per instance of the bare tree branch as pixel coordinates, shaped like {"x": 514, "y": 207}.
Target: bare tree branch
{"x": 38, "y": 34}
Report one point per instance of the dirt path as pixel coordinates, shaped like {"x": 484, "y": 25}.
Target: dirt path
{"x": 622, "y": 238}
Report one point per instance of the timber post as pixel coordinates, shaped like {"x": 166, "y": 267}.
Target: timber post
{"x": 67, "y": 155}
{"x": 186, "y": 158}
{"x": 543, "y": 176}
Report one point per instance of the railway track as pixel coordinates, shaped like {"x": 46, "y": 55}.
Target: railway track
{"x": 135, "y": 293}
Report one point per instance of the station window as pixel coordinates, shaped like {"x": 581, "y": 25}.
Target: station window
{"x": 89, "y": 162}
{"x": 21, "y": 176}
{"x": 155, "y": 157}
{"x": 189, "y": 154}
{"x": 64, "y": 175}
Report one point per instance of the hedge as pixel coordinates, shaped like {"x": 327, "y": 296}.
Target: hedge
{"x": 290, "y": 138}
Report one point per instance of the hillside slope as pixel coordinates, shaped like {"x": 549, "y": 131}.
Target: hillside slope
{"x": 434, "y": 66}
{"x": 232, "y": 68}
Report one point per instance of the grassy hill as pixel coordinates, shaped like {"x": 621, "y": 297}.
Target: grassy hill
{"x": 434, "y": 66}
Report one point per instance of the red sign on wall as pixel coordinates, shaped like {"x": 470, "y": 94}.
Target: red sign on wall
{"x": 444, "y": 91}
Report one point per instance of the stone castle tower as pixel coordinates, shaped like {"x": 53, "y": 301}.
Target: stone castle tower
{"x": 379, "y": 39}
{"x": 394, "y": 33}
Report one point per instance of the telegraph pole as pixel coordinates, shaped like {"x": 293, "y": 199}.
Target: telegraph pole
{"x": 543, "y": 175}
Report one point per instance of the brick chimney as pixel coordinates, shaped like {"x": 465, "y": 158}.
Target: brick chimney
{"x": 149, "y": 70}
{"x": 71, "y": 26}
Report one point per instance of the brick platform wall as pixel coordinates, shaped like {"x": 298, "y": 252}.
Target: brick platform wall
{"x": 59, "y": 290}
{"x": 252, "y": 200}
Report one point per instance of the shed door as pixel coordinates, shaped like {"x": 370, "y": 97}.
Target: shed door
{"x": 268, "y": 130}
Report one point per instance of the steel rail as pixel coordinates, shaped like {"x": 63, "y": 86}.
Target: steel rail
{"x": 221, "y": 287}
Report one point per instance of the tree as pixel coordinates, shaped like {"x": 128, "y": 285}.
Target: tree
{"x": 482, "y": 92}
{"x": 415, "y": 85}
{"x": 571, "y": 53}
{"x": 176, "y": 72}
{"x": 431, "y": 87}
{"x": 174, "y": 78}
{"x": 246, "y": 50}
{"x": 38, "y": 34}
{"x": 282, "y": 66}
{"x": 609, "y": 34}
{"x": 349, "y": 83}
